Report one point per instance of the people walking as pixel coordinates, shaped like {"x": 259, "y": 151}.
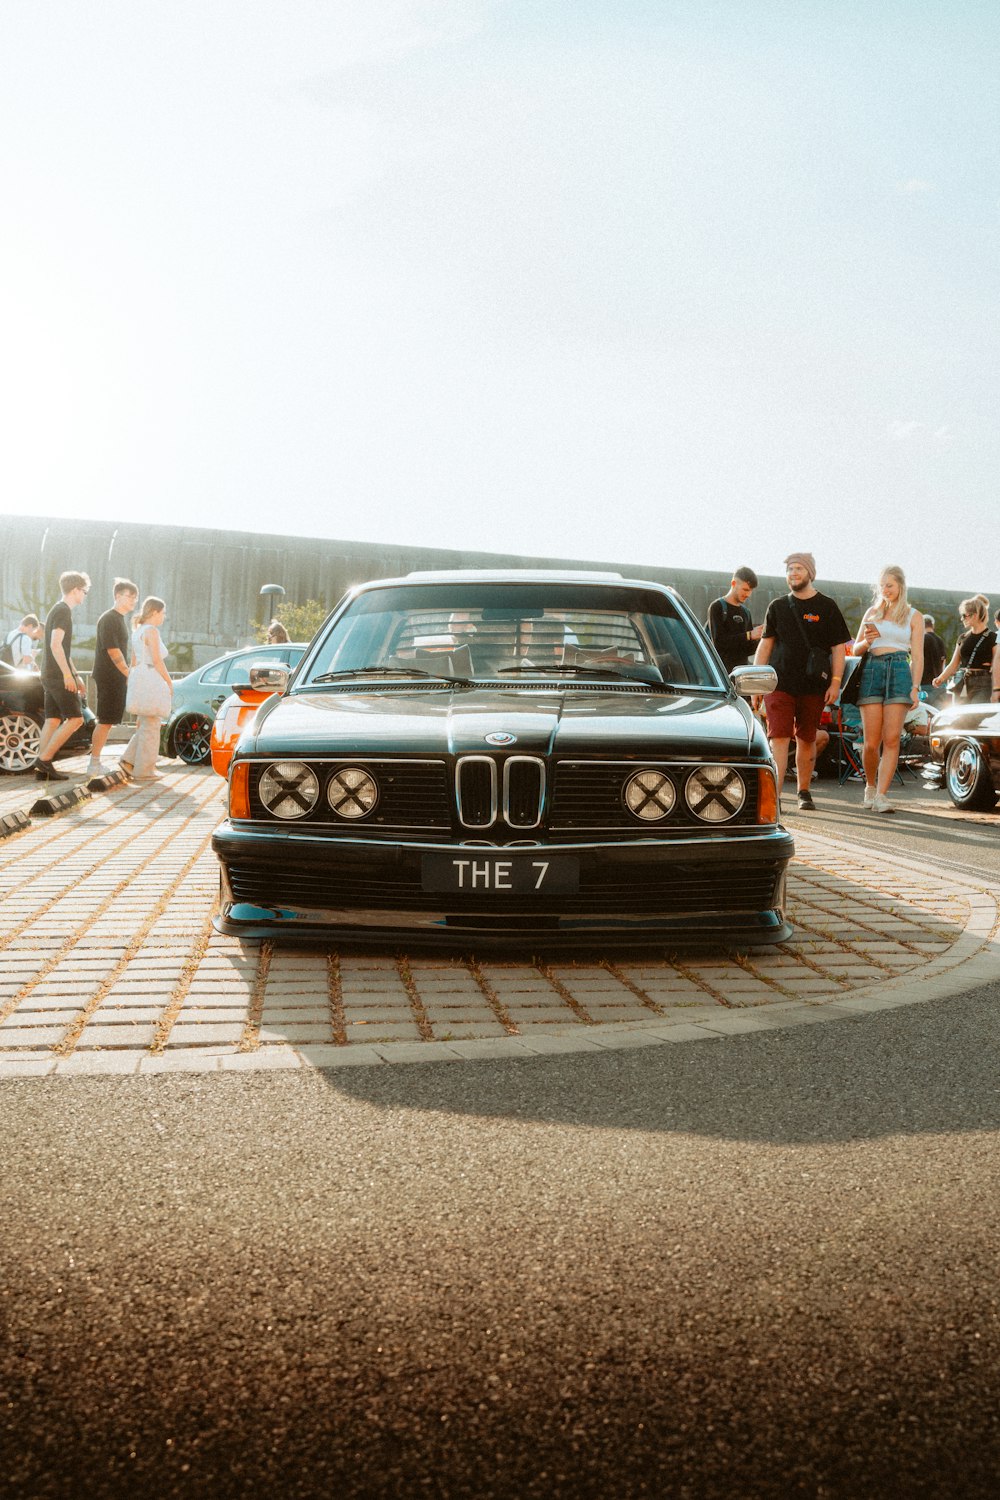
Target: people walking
{"x": 729, "y": 622}
{"x": 971, "y": 663}
{"x": 63, "y": 685}
{"x": 19, "y": 644}
{"x": 806, "y": 635}
{"x": 149, "y": 691}
{"x": 891, "y": 642}
{"x": 111, "y": 659}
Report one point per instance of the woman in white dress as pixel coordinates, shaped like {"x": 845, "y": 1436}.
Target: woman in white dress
{"x": 149, "y": 691}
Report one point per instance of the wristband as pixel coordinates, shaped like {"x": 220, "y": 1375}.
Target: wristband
{"x": 837, "y": 678}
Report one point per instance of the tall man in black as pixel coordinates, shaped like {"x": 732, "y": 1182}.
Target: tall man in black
{"x": 63, "y": 684}
{"x": 804, "y": 620}
{"x": 729, "y": 624}
{"x": 111, "y": 654}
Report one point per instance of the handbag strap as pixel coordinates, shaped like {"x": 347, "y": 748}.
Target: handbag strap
{"x": 798, "y": 623}
{"x": 970, "y": 667}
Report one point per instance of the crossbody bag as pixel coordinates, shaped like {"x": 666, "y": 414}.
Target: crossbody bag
{"x": 818, "y": 670}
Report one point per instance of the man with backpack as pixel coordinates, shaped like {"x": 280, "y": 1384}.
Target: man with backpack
{"x": 804, "y": 639}
{"x": 18, "y": 649}
{"x": 729, "y": 623}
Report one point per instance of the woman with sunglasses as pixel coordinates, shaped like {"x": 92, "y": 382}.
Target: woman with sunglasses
{"x": 974, "y": 653}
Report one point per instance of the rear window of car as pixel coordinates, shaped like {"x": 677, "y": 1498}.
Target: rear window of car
{"x": 235, "y": 667}
{"x": 490, "y": 630}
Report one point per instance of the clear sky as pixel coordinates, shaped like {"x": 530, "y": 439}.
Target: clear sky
{"x": 693, "y": 282}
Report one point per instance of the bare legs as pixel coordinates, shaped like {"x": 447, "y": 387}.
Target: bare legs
{"x": 805, "y": 761}
{"x": 55, "y": 733}
{"x": 883, "y": 725}
{"x": 98, "y": 740}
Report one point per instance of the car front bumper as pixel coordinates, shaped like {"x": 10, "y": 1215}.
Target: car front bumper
{"x": 703, "y": 890}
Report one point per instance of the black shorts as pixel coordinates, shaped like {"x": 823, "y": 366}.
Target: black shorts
{"x": 59, "y": 704}
{"x": 111, "y": 698}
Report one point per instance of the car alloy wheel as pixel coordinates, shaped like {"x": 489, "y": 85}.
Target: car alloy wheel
{"x": 967, "y": 776}
{"x": 193, "y": 738}
{"x": 20, "y": 736}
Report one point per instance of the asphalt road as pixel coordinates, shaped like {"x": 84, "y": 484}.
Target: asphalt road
{"x": 925, "y": 825}
{"x": 762, "y": 1266}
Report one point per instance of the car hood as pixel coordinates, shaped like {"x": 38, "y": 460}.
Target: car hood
{"x": 542, "y": 721}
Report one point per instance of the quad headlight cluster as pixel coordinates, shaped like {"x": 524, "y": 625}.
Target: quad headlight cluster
{"x": 714, "y": 794}
{"x": 290, "y": 789}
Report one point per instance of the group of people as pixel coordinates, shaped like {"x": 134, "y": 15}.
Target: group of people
{"x": 806, "y": 639}
{"x": 130, "y": 675}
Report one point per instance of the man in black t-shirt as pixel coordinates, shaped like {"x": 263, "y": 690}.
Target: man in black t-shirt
{"x": 804, "y": 620}
{"x": 62, "y": 682}
{"x": 935, "y": 657}
{"x": 729, "y": 624}
{"x": 111, "y": 655}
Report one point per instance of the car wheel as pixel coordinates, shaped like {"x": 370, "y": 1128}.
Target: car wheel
{"x": 967, "y": 776}
{"x": 20, "y": 735}
{"x": 192, "y": 738}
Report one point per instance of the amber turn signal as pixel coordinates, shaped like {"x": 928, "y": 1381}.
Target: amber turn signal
{"x": 239, "y": 790}
{"x": 767, "y": 797}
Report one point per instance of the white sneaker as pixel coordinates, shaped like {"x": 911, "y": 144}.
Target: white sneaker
{"x": 870, "y": 795}
{"x": 882, "y": 804}
{"x": 97, "y": 768}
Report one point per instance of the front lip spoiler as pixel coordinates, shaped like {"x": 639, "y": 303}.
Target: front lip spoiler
{"x": 437, "y": 926}
{"x": 438, "y": 929}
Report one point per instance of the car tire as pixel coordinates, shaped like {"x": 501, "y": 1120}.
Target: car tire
{"x": 20, "y": 734}
{"x": 967, "y": 777}
{"x": 190, "y": 739}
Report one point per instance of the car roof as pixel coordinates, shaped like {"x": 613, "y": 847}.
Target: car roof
{"x": 515, "y": 575}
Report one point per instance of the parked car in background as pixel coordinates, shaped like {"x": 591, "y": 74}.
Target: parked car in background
{"x": 506, "y": 757}
{"x": 198, "y": 696}
{"x": 965, "y": 743}
{"x": 22, "y": 713}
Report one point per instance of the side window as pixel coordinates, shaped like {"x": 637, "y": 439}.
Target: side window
{"x": 215, "y": 673}
{"x": 238, "y": 668}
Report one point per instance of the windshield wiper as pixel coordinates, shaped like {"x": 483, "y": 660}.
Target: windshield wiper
{"x": 392, "y": 672}
{"x": 585, "y": 672}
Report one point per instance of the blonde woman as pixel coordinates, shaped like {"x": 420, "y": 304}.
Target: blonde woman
{"x": 891, "y": 643}
{"x": 149, "y": 691}
{"x": 974, "y": 653}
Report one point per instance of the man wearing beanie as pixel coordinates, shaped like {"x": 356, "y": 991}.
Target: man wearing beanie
{"x": 804, "y": 639}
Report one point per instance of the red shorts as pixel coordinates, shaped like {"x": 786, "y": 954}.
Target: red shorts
{"x": 788, "y": 713}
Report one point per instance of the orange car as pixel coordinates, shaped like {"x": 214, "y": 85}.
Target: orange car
{"x": 236, "y": 711}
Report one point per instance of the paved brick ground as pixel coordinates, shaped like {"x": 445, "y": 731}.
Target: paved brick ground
{"x": 109, "y": 962}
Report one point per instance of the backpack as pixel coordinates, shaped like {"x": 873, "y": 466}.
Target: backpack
{"x": 7, "y": 649}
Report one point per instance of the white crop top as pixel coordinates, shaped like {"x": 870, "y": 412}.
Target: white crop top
{"x": 891, "y": 637}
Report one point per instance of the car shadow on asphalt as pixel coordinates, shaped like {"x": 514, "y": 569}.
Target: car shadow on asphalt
{"x": 924, "y": 1069}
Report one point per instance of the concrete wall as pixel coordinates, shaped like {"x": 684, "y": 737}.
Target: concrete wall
{"x": 211, "y": 578}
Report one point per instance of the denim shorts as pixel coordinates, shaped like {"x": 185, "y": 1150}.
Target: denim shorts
{"x": 886, "y": 679}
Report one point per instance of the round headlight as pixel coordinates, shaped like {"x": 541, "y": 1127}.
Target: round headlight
{"x": 715, "y": 793}
{"x": 289, "y": 789}
{"x": 649, "y": 795}
{"x": 352, "y": 793}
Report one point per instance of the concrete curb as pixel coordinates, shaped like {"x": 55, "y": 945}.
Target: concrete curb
{"x": 13, "y": 822}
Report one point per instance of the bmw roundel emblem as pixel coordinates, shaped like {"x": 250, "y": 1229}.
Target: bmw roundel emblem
{"x": 501, "y": 737}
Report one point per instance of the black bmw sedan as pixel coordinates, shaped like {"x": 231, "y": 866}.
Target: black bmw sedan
{"x": 506, "y": 757}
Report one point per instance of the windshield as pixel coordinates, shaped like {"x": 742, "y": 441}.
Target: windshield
{"x": 510, "y": 632}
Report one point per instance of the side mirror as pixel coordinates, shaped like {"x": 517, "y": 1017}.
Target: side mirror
{"x": 751, "y": 681}
{"x": 269, "y": 677}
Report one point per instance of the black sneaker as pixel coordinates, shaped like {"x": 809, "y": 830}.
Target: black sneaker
{"x": 46, "y": 771}
{"x": 806, "y": 803}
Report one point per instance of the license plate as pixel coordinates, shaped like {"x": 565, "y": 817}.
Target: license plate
{"x": 500, "y": 875}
